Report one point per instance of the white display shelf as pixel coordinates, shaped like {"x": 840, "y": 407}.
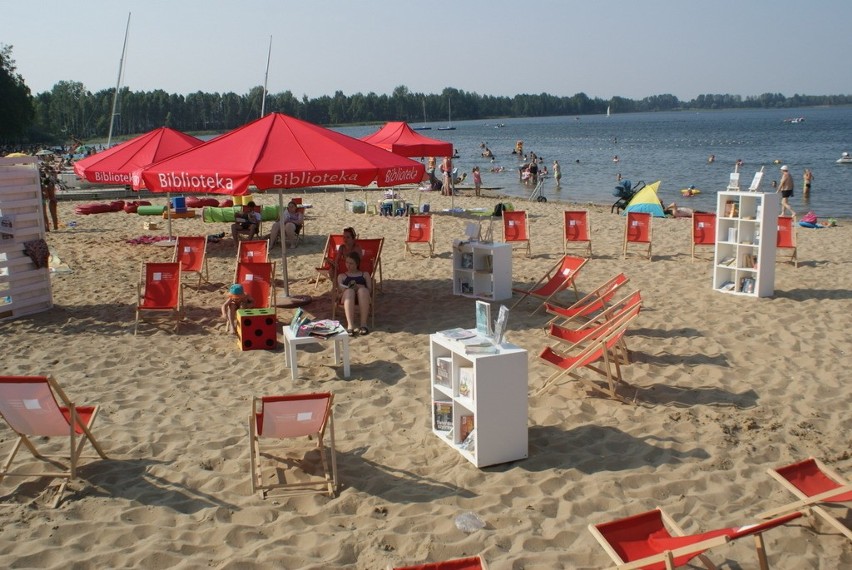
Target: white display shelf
{"x": 482, "y": 270}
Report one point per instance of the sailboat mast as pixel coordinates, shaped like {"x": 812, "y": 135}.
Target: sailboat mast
{"x": 266, "y": 79}
{"x": 118, "y": 82}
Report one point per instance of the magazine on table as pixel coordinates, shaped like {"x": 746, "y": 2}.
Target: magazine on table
{"x": 457, "y": 333}
{"x": 500, "y": 325}
{"x": 297, "y": 325}
{"x": 483, "y": 318}
{"x": 325, "y": 328}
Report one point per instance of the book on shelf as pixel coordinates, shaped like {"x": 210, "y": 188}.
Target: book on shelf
{"x": 747, "y": 285}
{"x": 466, "y": 381}
{"x": 443, "y": 371}
{"x": 465, "y": 427}
{"x": 487, "y": 263}
{"x": 726, "y": 286}
{"x": 728, "y": 260}
{"x": 457, "y": 333}
{"x": 466, "y": 261}
{"x": 443, "y": 415}
{"x": 469, "y": 442}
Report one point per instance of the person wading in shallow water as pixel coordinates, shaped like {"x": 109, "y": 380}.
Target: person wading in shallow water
{"x": 785, "y": 187}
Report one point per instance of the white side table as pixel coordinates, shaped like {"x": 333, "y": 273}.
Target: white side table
{"x": 292, "y": 342}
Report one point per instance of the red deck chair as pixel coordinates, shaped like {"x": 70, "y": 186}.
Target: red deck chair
{"x": 578, "y": 230}
{"x": 557, "y": 279}
{"x": 253, "y": 250}
{"x": 644, "y": 541}
{"x": 637, "y": 229}
{"x": 469, "y": 563}
{"x": 516, "y": 229}
{"x": 29, "y": 405}
{"x": 371, "y": 263}
{"x": 191, "y": 252}
{"x": 599, "y": 346}
{"x": 420, "y": 231}
{"x": 258, "y": 281}
{"x": 703, "y": 230}
{"x": 589, "y": 304}
{"x": 327, "y": 267}
{"x": 787, "y": 238}
{"x": 159, "y": 294}
{"x": 305, "y": 417}
{"x": 812, "y": 482}
{"x": 573, "y": 337}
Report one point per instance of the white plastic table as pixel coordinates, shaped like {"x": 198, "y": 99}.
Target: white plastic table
{"x": 292, "y": 342}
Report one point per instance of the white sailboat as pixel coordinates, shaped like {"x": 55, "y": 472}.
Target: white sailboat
{"x": 607, "y": 111}
{"x": 118, "y": 83}
{"x": 449, "y": 126}
{"x": 424, "y": 127}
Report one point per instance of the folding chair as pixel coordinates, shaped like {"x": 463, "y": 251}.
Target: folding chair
{"x": 578, "y": 229}
{"x": 253, "y": 250}
{"x": 369, "y": 263}
{"x": 159, "y": 294}
{"x": 574, "y": 337}
{"x": 258, "y": 281}
{"x": 599, "y": 346}
{"x": 556, "y": 280}
{"x": 590, "y": 304}
{"x": 786, "y": 238}
{"x": 327, "y": 267}
{"x": 469, "y": 563}
{"x": 703, "y": 230}
{"x": 644, "y": 541}
{"x": 420, "y": 231}
{"x": 371, "y": 259}
{"x": 191, "y": 252}
{"x": 516, "y": 229}
{"x": 289, "y": 417}
{"x": 29, "y": 405}
{"x": 251, "y": 233}
{"x": 637, "y": 229}
{"x": 812, "y": 482}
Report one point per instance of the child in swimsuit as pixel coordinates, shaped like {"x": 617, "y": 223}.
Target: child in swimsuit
{"x": 237, "y": 299}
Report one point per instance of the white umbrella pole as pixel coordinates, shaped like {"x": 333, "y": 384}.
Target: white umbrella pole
{"x": 169, "y": 213}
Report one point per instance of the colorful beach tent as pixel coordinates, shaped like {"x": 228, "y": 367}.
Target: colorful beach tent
{"x": 401, "y": 139}
{"x": 278, "y": 151}
{"x": 646, "y": 201}
{"x": 116, "y": 165}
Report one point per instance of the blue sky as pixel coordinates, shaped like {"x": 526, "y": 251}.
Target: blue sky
{"x": 630, "y": 48}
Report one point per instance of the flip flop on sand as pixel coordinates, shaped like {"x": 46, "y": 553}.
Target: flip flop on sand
{"x": 363, "y": 331}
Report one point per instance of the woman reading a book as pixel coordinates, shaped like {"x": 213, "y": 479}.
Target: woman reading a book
{"x": 355, "y": 290}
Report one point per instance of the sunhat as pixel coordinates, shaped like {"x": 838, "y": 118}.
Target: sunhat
{"x": 236, "y": 289}
{"x": 784, "y": 167}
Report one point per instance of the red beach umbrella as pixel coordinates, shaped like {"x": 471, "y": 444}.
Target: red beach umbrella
{"x": 399, "y": 138}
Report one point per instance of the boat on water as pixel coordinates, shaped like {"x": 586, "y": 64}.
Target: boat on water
{"x": 449, "y": 126}
{"x": 795, "y": 120}
{"x": 424, "y": 127}
{"x": 845, "y": 158}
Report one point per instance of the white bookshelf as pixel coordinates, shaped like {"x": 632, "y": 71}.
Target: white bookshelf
{"x": 482, "y": 270}
{"x": 746, "y": 230}
{"x": 497, "y": 400}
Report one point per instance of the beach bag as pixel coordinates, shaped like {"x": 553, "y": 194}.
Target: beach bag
{"x": 498, "y": 210}
{"x": 810, "y": 218}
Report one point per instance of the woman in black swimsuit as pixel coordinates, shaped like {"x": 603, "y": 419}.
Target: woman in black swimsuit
{"x": 355, "y": 286}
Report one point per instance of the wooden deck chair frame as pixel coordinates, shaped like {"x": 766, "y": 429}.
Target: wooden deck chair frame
{"x": 703, "y": 230}
{"x": 633, "y": 224}
{"x": 827, "y": 487}
{"x": 662, "y": 541}
{"x": 786, "y": 239}
{"x": 589, "y": 305}
{"x": 326, "y": 270}
{"x": 146, "y": 309}
{"x": 601, "y": 346}
{"x": 519, "y": 239}
{"x": 578, "y": 230}
{"x": 245, "y": 275}
{"x": 574, "y": 337}
{"x": 29, "y": 406}
{"x": 420, "y": 230}
{"x": 252, "y": 236}
{"x": 296, "y": 417}
{"x": 557, "y": 279}
{"x": 373, "y": 252}
{"x": 469, "y": 563}
{"x": 187, "y": 250}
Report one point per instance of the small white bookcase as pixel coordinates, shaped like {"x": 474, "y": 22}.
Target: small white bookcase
{"x": 482, "y": 270}
{"x": 495, "y": 397}
{"x": 746, "y": 233}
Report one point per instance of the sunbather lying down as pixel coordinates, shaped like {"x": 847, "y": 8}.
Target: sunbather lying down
{"x": 675, "y": 212}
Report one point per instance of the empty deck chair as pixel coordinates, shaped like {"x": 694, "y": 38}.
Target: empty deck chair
{"x": 469, "y": 563}
{"x": 420, "y": 231}
{"x": 559, "y": 278}
{"x": 159, "y": 295}
{"x": 191, "y": 252}
{"x": 326, "y": 269}
{"x": 645, "y": 541}
{"x": 813, "y": 483}
{"x": 516, "y": 229}
{"x": 637, "y": 229}
{"x": 258, "y": 281}
{"x": 253, "y": 250}
{"x": 589, "y": 304}
{"x": 573, "y": 337}
{"x": 703, "y": 230}
{"x": 578, "y": 230}
{"x": 786, "y": 239}
{"x": 29, "y": 405}
{"x": 281, "y": 418}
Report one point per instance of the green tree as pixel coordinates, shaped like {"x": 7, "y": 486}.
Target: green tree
{"x": 16, "y": 102}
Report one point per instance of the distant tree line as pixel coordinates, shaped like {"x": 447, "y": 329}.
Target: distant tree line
{"x": 70, "y": 110}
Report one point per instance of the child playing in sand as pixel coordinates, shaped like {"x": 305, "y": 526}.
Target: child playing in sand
{"x": 237, "y": 299}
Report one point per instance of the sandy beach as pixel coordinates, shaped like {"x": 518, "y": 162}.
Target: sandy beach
{"x": 725, "y": 387}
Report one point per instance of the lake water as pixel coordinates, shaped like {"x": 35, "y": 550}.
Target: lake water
{"x": 672, "y": 147}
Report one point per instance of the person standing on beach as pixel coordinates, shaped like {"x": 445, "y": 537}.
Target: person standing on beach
{"x": 477, "y": 181}
{"x": 807, "y": 178}
{"x": 557, "y": 172}
{"x": 48, "y": 194}
{"x": 447, "y": 171}
{"x": 785, "y": 187}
